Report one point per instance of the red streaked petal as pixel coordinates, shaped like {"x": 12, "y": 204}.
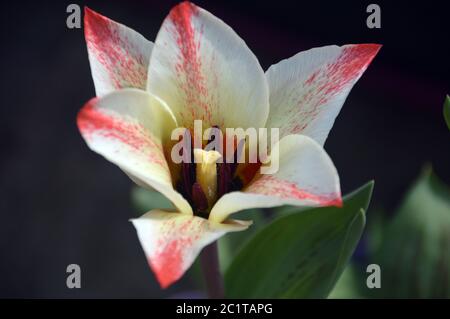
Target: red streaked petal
{"x": 284, "y": 189}
{"x": 306, "y": 177}
{"x": 128, "y": 127}
{"x": 171, "y": 241}
{"x": 204, "y": 71}
{"x": 307, "y": 91}
{"x": 118, "y": 55}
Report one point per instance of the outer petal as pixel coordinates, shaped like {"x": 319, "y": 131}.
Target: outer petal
{"x": 308, "y": 90}
{"x": 118, "y": 55}
{"x": 204, "y": 71}
{"x": 172, "y": 241}
{"x": 127, "y": 127}
{"x": 306, "y": 177}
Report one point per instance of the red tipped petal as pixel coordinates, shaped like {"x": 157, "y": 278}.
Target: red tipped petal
{"x": 171, "y": 241}
{"x": 204, "y": 71}
{"x": 306, "y": 176}
{"x": 307, "y": 91}
{"x": 127, "y": 127}
{"x": 118, "y": 55}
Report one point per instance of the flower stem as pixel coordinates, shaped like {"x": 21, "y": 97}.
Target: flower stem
{"x": 209, "y": 259}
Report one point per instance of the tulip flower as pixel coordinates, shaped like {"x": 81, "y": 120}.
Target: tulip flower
{"x": 198, "y": 68}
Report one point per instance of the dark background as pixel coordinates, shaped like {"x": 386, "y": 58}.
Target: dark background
{"x": 61, "y": 203}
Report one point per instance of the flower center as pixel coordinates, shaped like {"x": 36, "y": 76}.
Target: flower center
{"x": 205, "y": 176}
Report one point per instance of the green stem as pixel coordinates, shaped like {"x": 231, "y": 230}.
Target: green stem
{"x": 209, "y": 259}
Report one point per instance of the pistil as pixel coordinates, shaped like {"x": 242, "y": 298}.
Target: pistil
{"x": 206, "y": 173}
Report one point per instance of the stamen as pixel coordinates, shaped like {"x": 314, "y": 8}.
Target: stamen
{"x": 237, "y": 155}
{"x": 223, "y": 178}
{"x": 199, "y": 199}
{"x": 187, "y": 167}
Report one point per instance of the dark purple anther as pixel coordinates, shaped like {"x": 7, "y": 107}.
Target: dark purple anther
{"x": 199, "y": 198}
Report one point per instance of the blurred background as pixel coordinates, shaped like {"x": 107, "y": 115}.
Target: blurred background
{"x": 60, "y": 203}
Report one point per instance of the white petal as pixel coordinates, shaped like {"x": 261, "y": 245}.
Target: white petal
{"x": 306, "y": 177}
{"x": 308, "y": 90}
{"x": 128, "y": 127}
{"x": 204, "y": 71}
{"x": 118, "y": 55}
{"x": 172, "y": 241}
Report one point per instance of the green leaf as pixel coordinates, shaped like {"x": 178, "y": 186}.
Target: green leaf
{"x": 230, "y": 244}
{"x": 375, "y": 225}
{"x": 447, "y": 111}
{"x": 414, "y": 254}
{"x": 144, "y": 200}
{"x": 348, "y": 285}
{"x": 301, "y": 254}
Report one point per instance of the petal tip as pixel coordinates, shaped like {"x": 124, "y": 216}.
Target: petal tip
{"x": 164, "y": 280}
{"x": 338, "y": 202}
{"x": 186, "y": 5}
{"x": 91, "y": 15}
{"x": 368, "y": 50}
{"x": 374, "y": 47}
{"x": 182, "y": 12}
{"x": 88, "y": 11}
{"x": 94, "y": 24}
{"x": 84, "y": 114}
{"x": 168, "y": 263}
{"x": 332, "y": 201}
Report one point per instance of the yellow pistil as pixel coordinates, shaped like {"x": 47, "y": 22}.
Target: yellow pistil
{"x": 206, "y": 173}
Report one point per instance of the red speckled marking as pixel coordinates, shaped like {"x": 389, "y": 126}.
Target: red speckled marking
{"x": 328, "y": 82}
{"x": 175, "y": 244}
{"x": 91, "y": 121}
{"x": 349, "y": 66}
{"x": 189, "y": 65}
{"x": 168, "y": 264}
{"x": 269, "y": 185}
{"x": 109, "y": 44}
